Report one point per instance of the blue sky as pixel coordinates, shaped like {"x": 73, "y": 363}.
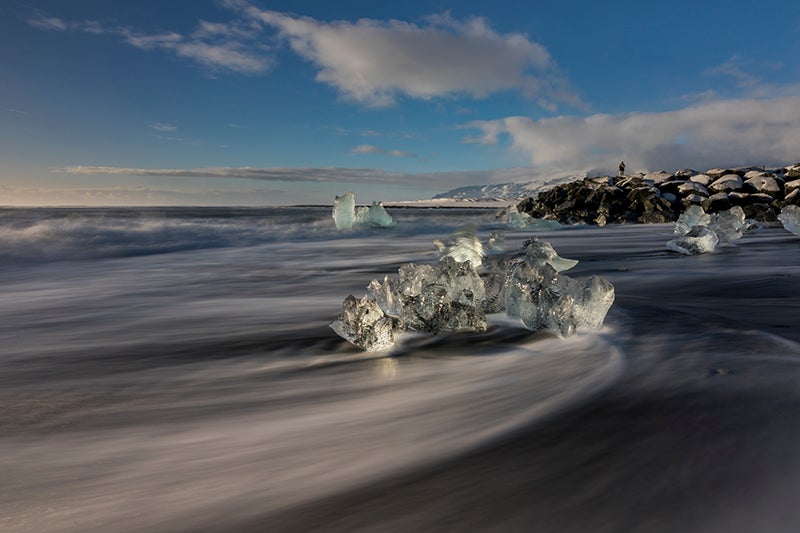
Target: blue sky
{"x": 233, "y": 102}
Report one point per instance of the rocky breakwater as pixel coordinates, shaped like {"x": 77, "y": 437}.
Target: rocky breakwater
{"x": 662, "y": 196}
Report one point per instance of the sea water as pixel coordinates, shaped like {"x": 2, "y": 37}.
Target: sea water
{"x": 173, "y": 369}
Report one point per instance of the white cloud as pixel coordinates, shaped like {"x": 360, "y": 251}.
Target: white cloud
{"x": 366, "y": 149}
{"x": 159, "y": 126}
{"x": 372, "y": 149}
{"x": 215, "y": 46}
{"x": 372, "y": 61}
{"x": 720, "y": 133}
{"x": 42, "y": 22}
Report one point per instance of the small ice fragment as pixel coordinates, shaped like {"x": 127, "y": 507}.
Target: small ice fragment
{"x": 790, "y": 218}
{"x": 344, "y": 211}
{"x": 694, "y": 216}
{"x": 699, "y": 240}
{"x": 384, "y": 295}
{"x": 524, "y": 221}
{"x": 497, "y": 242}
{"x": 374, "y": 216}
{"x": 728, "y": 225}
{"x": 542, "y": 252}
{"x": 462, "y": 245}
{"x": 362, "y": 323}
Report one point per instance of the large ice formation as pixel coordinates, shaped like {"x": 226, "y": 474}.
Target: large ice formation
{"x": 346, "y": 216}
{"x": 344, "y": 211}
{"x": 374, "y": 216}
{"x": 790, "y": 218}
{"x": 699, "y": 233}
{"x": 462, "y": 245}
{"x": 451, "y": 295}
{"x": 524, "y": 221}
{"x": 528, "y": 285}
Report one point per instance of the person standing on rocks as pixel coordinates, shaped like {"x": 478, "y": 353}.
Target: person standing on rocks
{"x": 622, "y": 168}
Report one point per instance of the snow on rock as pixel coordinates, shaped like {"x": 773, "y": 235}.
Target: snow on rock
{"x": 728, "y": 182}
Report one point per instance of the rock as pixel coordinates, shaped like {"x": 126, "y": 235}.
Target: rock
{"x": 715, "y": 173}
{"x": 738, "y": 198}
{"x": 692, "y": 187}
{"x": 693, "y": 199}
{"x": 758, "y": 198}
{"x": 685, "y": 173}
{"x": 658, "y": 177}
{"x": 717, "y": 202}
{"x": 762, "y": 184}
{"x": 668, "y": 196}
{"x": 671, "y": 186}
{"x": 728, "y": 182}
{"x": 791, "y": 186}
{"x": 793, "y": 198}
{"x": 702, "y": 179}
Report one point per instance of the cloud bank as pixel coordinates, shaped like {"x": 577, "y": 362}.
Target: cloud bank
{"x": 372, "y": 62}
{"x": 719, "y": 133}
{"x": 432, "y": 181}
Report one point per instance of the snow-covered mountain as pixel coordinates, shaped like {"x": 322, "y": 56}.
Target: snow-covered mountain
{"x": 511, "y": 190}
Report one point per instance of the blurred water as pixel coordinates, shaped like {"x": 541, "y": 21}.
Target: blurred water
{"x": 173, "y": 369}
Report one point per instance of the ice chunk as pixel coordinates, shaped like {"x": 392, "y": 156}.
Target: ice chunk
{"x": 374, "y": 216}
{"x": 728, "y": 225}
{"x": 540, "y": 253}
{"x": 497, "y": 242}
{"x": 362, "y": 323}
{"x": 694, "y": 216}
{"x": 699, "y": 240}
{"x": 790, "y": 218}
{"x": 346, "y": 216}
{"x": 384, "y": 294}
{"x": 344, "y": 211}
{"x": 529, "y": 287}
{"x": 462, "y": 245}
{"x": 524, "y": 221}
{"x": 448, "y": 296}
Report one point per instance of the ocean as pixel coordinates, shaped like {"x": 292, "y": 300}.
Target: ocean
{"x": 172, "y": 369}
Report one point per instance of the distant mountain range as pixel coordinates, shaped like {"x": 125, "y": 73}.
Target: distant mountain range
{"x": 505, "y": 191}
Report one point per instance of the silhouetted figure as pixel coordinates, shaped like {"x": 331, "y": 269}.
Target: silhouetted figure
{"x": 622, "y": 168}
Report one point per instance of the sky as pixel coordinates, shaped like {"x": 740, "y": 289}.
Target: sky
{"x": 239, "y": 102}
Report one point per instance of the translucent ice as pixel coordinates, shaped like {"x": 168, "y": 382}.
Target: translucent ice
{"x": 497, "y": 242}
{"x": 540, "y": 253}
{"x": 363, "y": 323}
{"x": 790, "y": 218}
{"x": 345, "y": 214}
{"x": 344, "y": 211}
{"x": 524, "y": 221}
{"x": 448, "y": 296}
{"x": 694, "y": 216}
{"x": 462, "y": 245}
{"x": 528, "y": 286}
{"x": 374, "y": 216}
{"x": 699, "y": 240}
{"x": 728, "y": 225}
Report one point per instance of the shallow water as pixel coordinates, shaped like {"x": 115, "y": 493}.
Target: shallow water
{"x": 173, "y": 369}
